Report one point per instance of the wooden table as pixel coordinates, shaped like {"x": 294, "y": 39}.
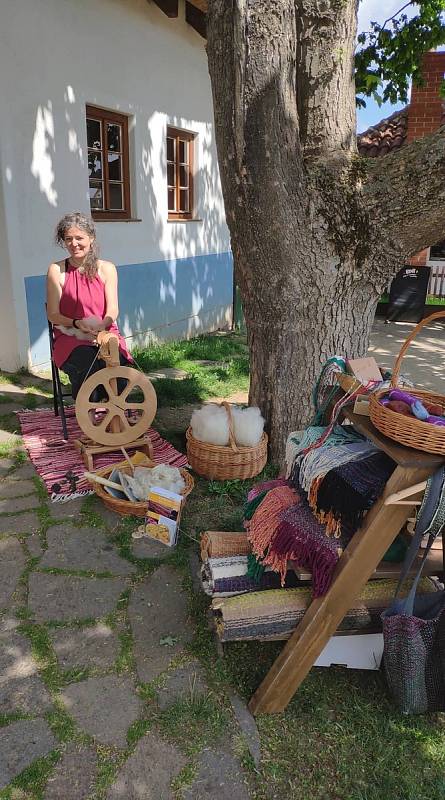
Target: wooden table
{"x": 356, "y": 565}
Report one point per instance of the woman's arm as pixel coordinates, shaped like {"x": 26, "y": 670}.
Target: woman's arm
{"x": 53, "y": 295}
{"x": 109, "y": 277}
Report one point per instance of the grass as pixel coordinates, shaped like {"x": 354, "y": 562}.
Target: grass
{"x": 226, "y": 372}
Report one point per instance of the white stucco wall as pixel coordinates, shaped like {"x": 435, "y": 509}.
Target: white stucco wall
{"x": 125, "y": 55}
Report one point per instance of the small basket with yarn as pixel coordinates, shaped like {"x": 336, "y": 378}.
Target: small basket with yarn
{"x": 408, "y": 430}
{"x": 225, "y": 462}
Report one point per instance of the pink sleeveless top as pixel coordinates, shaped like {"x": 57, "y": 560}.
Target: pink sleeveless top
{"x": 81, "y": 297}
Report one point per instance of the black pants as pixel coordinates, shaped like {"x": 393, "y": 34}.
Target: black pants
{"x": 78, "y": 366}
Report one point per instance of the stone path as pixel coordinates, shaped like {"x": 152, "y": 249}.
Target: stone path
{"x": 98, "y": 684}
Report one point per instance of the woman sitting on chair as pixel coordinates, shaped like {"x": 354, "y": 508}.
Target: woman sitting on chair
{"x": 81, "y": 301}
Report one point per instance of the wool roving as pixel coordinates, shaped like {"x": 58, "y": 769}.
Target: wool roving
{"x": 248, "y": 426}
{"x": 262, "y": 527}
{"x": 211, "y": 424}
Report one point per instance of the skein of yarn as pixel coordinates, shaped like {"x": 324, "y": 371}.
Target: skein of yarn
{"x": 210, "y": 424}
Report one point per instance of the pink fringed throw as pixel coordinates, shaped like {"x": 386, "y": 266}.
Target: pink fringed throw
{"x": 263, "y": 526}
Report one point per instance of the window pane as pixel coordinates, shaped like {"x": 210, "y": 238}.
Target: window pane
{"x": 114, "y": 167}
{"x": 171, "y": 174}
{"x": 94, "y": 164}
{"x": 94, "y": 133}
{"x": 184, "y": 200}
{"x": 183, "y": 152}
{"x": 96, "y": 195}
{"x": 116, "y": 203}
{"x": 113, "y": 136}
{"x": 170, "y": 149}
{"x": 171, "y": 200}
{"x": 183, "y": 177}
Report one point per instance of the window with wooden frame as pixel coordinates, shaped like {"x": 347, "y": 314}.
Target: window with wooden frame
{"x": 180, "y": 147}
{"x": 108, "y": 164}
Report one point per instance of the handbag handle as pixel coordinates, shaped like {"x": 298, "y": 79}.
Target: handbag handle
{"x": 406, "y": 344}
{"x": 434, "y": 486}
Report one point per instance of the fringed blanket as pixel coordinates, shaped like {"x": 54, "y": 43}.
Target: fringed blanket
{"x": 263, "y": 526}
{"x": 346, "y": 493}
{"x": 276, "y": 613}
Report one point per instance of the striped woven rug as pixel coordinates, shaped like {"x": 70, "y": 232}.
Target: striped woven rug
{"x": 60, "y": 465}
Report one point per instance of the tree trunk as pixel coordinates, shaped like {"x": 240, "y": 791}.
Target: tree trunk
{"x": 316, "y": 231}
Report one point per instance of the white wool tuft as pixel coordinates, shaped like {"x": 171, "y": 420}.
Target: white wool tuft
{"x": 248, "y": 426}
{"x": 210, "y": 424}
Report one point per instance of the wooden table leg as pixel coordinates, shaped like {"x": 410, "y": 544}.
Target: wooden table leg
{"x": 358, "y": 562}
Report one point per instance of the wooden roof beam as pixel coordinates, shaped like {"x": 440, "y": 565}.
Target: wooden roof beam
{"x": 196, "y": 18}
{"x": 169, "y": 7}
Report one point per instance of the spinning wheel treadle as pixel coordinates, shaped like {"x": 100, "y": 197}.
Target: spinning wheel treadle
{"x": 116, "y": 426}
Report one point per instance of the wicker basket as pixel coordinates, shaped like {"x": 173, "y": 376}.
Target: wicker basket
{"x": 124, "y": 507}
{"x": 409, "y": 431}
{"x": 224, "y": 463}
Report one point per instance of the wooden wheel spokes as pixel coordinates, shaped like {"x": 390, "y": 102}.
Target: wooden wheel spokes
{"x": 124, "y": 428}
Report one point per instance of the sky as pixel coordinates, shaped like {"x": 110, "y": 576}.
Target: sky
{"x": 377, "y": 10}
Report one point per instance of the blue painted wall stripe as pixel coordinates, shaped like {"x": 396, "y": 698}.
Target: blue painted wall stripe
{"x": 172, "y": 298}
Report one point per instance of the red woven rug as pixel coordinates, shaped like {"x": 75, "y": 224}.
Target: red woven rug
{"x": 61, "y": 466}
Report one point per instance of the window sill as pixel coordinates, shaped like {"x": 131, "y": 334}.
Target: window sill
{"x": 104, "y": 219}
{"x": 184, "y": 221}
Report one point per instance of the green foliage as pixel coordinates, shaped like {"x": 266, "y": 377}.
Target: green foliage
{"x": 390, "y": 53}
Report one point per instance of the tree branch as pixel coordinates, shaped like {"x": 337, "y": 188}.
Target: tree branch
{"x": 405, "y": 194}
{"x": 325, "y": 76}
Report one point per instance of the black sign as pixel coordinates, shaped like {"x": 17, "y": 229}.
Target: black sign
{"x": 408, "y": 294}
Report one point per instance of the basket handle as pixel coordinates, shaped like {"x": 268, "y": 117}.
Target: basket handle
{"x": 406, "y": 344}
{"x": 232, "y": 442}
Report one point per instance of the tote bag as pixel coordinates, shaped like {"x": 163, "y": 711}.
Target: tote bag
{"x": 414, "y": 627}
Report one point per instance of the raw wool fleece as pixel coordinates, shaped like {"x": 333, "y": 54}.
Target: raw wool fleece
{"x": 72, "y": 331}
{"x": 210, "y": 424}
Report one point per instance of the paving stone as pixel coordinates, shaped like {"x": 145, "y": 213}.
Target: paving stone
{"x": 12, "y": 388}
{"x": 26, "y": 470}
{"x": 83, "y": 548}
{"x": 65, "y": 597}
{"x": 150, "y": 548}
{"x": 181, "y": 684}
{"x": 104, "y": 707}
{"x": 110, "y": 519}
{"x": 21, "y": 688}
{"x": 8, "y": 623}
{"x": 21, "y": 743}
{"x": 149, "y": 771}
{"x": 14, "y": 504}
{"x": 11, "y": 439}
{"x": 22, "y": 523}
{"x": 248, "y": 726}
{"x": 168, "y": 372}
{"x": 159, "y": 621}
{"x": 74, "y": 775}
{"x": 11, "y": 487}
{"x": 6, "y": 464}
{"x": 96, "y": 646}
{"x": 219, "y": 775}
{"x": 12, "y": 564}
{"x": 34, "y": 545}
{"x": 66, "y": 511}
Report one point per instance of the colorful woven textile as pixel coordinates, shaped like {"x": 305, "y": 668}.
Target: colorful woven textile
{"x": 262, "y": 527}
{"x": 265, "y": 486}
{"x": 224, "y": 543}
{"x": 302, "y": 538}
{"x": 228, "y": 587}
{"x": 58, "y": 462}
{"x": 346, "y": 493}
{"x": 319, "y": 462}
{"x": 226, "y": 566}
{"x": 276, "y": 613}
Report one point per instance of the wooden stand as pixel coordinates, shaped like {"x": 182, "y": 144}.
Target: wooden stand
{"x": 120, "y": 430}
{"x": 355, "y": 567}
{"x": 88, "y": 449}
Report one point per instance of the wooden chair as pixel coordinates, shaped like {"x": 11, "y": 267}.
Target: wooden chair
{"x": 58, "y": 393}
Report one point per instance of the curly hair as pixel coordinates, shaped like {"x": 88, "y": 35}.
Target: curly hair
{"x": 78, "y": 220}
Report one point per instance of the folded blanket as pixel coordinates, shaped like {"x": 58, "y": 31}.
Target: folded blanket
{"x": 226, "y": 566}
{"x": 224, "y": 543}
{"x": 276, "y": 613}
{"x": 346, "y": 493}
{"x": 262, "y": 527}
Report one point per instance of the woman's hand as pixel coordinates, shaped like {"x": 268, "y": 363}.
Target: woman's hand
{"x": 86, "y": 326}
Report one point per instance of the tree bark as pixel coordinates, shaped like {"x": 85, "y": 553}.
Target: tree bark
{"x": 316, "y": 231}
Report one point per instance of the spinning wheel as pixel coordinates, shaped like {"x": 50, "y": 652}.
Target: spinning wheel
{"x": 119, "y": 419}
{"x": 122, "y": 420}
